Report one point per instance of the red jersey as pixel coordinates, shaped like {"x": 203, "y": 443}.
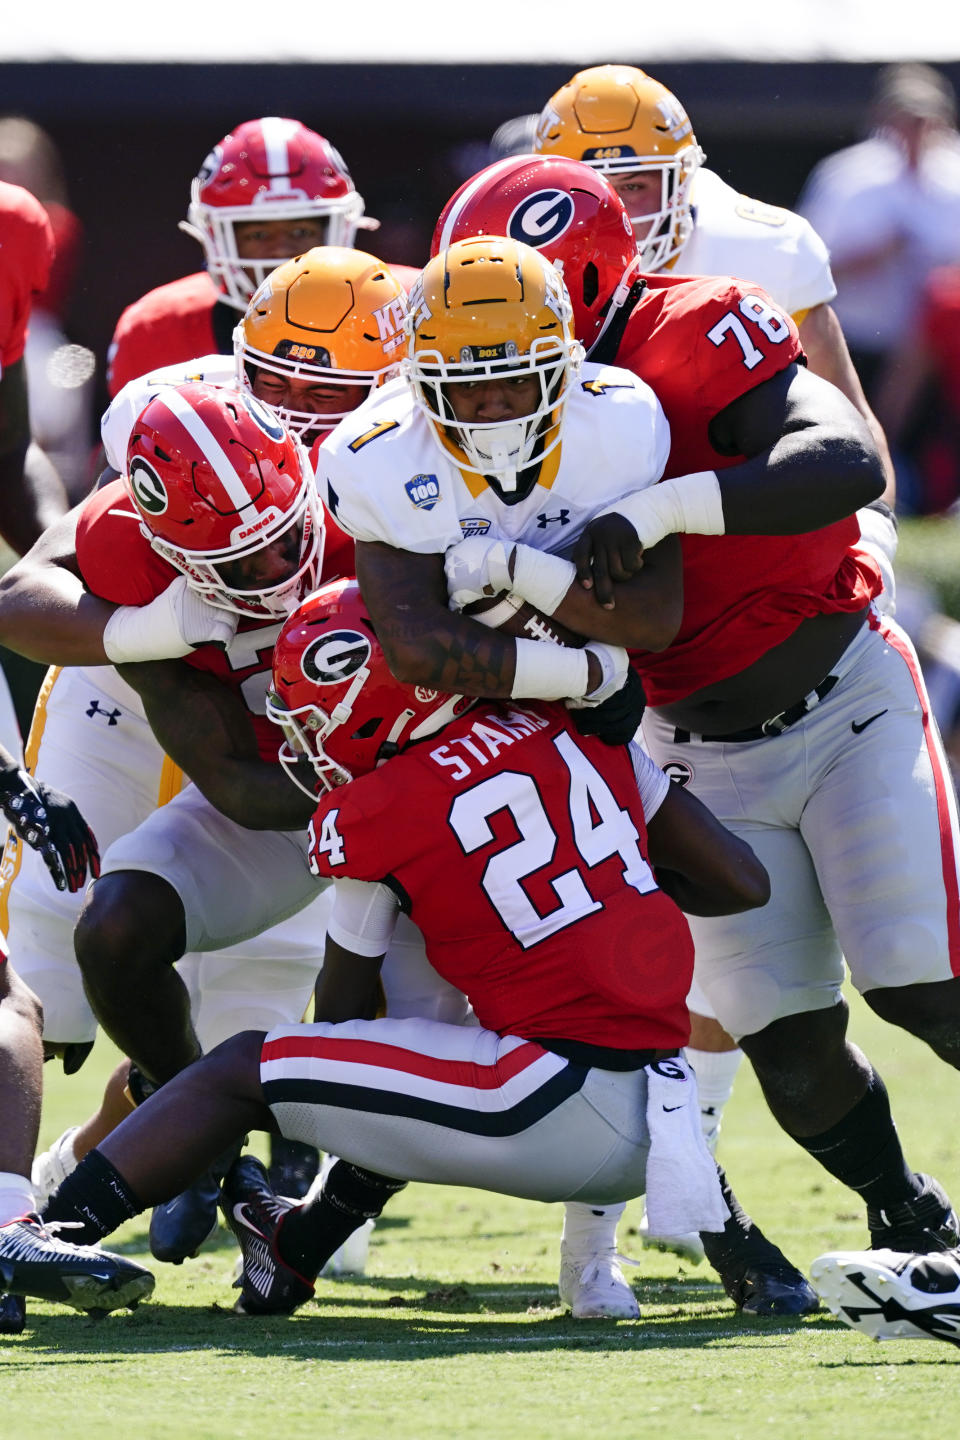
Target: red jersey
{"x": 523, "y": 862}
{"x": 118, "y": 564}
{"x": 175, "y": 322}
{"x": 26, "y": 255}
{"x": 701, "y": 342}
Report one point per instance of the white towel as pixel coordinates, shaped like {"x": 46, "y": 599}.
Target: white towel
{"x": 683, "y": 1191}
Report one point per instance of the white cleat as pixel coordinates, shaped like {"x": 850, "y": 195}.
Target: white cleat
{"x": 688, "y": 1247}
{"x": 889, "y": 1295}
{"x": 595, "y": 1288}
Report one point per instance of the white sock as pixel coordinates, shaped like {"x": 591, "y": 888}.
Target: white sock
{"x": 715, "y": 1071}
{"x": 65, "y": 1151}
{"x": 590, "y": 1229}
{"x": 16, "y": 1196}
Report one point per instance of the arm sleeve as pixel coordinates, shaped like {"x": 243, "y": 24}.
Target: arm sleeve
{"x": 651, "y": 781}
{"x": 364, "y": 915}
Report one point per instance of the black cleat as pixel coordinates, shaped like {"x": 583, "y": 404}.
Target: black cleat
{"x": 180, "y": 1226}
{"x": 254, "y": 1213}
{"x": 769, "y": 1287}
{"x": 33, "y": 1261}
{"x": 918, "y": 1226}
{"x": 755, "y": 1273}
{"x": 13, "y": 1314}
{"x": 293, "y": 1166}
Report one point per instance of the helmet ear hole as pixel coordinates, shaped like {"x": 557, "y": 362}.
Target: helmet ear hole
{"x": 368, "y": 729}
{"x": 591, "y": 284}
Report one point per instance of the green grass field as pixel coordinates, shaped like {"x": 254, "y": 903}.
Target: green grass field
{"x": 456, "y": 1330}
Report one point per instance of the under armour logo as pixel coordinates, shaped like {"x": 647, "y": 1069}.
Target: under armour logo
{"x": 544, "y": 520}
{"x": 95, "y": 708}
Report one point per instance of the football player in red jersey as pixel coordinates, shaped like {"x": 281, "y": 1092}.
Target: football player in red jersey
{"x": 210, "y": 706}
{"x": 573, "y": 219}
{"x": 577, "y": 1030}
{"x": 31, "y": 1261}
{"x": 794, "y": 710}
{"x": 813, "y": 464}
{"x": 270, "y": 190}
{"x": 329, "y": 320}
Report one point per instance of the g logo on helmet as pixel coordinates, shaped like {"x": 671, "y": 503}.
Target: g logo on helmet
{"x": 263, "y": 417}
{"x": 211, "y": 164}
{"x": 541, "y": 218}
{"x": 148, "y": 489}
{"x": 335, "y": 657}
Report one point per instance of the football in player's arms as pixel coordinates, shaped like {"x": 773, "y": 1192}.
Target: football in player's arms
{"x": 517, "y": 617}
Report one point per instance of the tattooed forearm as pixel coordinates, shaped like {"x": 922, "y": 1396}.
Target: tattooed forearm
{"x": 425, "y": 643}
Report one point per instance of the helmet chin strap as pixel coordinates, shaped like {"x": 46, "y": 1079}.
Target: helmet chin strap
{"x": 501, "y": 446}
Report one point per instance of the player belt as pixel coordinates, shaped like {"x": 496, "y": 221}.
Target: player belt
{"x": 602, "y": 1056}
{"x": 769, "y": 728}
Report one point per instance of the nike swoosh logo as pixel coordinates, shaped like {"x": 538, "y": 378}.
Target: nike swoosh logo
{"x": 669, "y": 1109}
{"x": 240, "y": 1215}
{"x": 859, "y": 729}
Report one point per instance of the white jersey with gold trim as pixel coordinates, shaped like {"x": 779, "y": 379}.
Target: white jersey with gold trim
{"x": 384, "y": 476}
{"x": 776, "y": 248}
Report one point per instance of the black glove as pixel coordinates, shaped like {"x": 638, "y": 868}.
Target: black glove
{"x": 51, "y": 824}
{"x": 614, "y": 720}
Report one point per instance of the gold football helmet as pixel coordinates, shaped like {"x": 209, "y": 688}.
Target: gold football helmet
{"x": 486, "y": 310}
{"x": 626, "y": 124}
{"x": 333, "y": 318}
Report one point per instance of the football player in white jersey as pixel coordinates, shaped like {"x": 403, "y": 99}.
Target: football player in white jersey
{"x": 622, "y": 122}
{"x": 497, "y": 430}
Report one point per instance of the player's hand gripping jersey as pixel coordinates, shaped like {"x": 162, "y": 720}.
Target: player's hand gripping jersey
{"x": 701, "y": 344}
{"x": 384, "y": 476}
{"x": 525, "y": 832}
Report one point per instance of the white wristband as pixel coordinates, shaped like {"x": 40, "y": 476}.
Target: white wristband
{"x": 171, "y": 625}
{"x": 614, "y": 664}
{"x": 549, "y": 672}
{"x": 688, "y": 505}
{"x": 542, "y": 580}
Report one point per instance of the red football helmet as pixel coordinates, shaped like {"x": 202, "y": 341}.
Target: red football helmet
{"x": 564, "y": 209}
{"x": 268, "y": 169}
{"x": 334, "y": 697}
{"x": 227, "y": 496}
